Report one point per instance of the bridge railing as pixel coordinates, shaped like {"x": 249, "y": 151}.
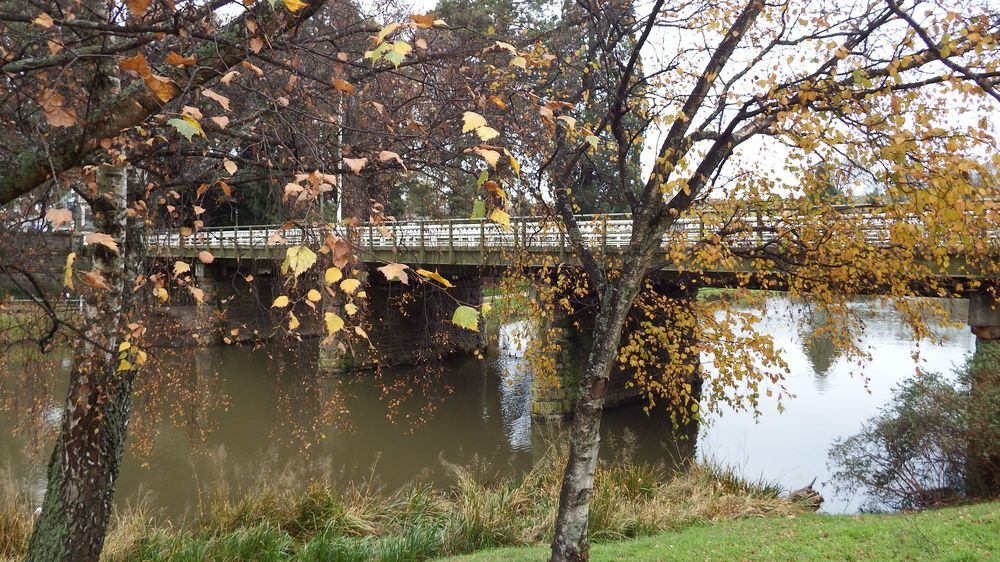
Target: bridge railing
{"x": 599, "y": 231}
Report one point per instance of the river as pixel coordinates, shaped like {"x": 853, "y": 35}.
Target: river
{"x": 227, "y": 419}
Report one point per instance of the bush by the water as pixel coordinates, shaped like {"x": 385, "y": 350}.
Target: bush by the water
{"x": 273, "y": 521}
{"x": 937, "y": 442}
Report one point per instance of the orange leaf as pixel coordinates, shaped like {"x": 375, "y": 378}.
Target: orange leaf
{"x": 343, "y": 85}
{"x": 136, "y": 64}
{"x": 177, "y": 60}
{"x": 425, "y": 21}
{"x": 161, "y": 86}
{"x": 137, "y": 7}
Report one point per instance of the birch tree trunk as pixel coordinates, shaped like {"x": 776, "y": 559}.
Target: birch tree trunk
{"x": 87, "y": 456}
{"x": 570, "y": 542}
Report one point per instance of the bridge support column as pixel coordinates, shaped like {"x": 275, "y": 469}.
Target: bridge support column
{"x": 983, "y": 468}
{"x": 572, "y": 334}
{"x": 408, "y": 324}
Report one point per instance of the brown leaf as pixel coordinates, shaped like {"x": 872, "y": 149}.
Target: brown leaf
{"x": 256, "y": 44}
{"x": 54, "y": 47}
{"x": 58, "y": 217}
{"x": 220, "y": 99}
{"x": 51, "y": 102}
{"x": 230, "y": 166}
{"x": 44, "y": 20}
{"x": 193, "y": 112}
{"x": 103, "y": 239}
{"x": 229, "y": 76}
{"x": 388, "y": 155}
{"x": 95, "y": 280}
{"x": 356, "y": 164}
{"x": 253, "y": 68}
{"x": 340, "y": 250}
{"x": 393, "y": 271}
{"x": 221, "y": 120}
{"x": 205, "y": 256}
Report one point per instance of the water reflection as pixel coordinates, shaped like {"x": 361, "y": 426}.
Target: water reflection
{"x": 220, "y": 418}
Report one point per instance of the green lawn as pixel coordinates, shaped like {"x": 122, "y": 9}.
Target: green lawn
{"x": 961, "y": 533}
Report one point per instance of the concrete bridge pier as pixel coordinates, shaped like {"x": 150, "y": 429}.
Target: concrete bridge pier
{"x": 407, "y": 324}
{"x": 983, "y": 470}
{"x": 665, "y": 303}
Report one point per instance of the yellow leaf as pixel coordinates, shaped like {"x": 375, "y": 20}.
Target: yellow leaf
{"x": 491, "y": 156}
{"x": 332, "y": 275}
{"x": 68, "y": 271}
{"x": 386, "y": 31}
{"x": 197, "y": 294}
{"x": 487, "y": 133}
{"x": 351, "y": 309}
{"x": 466, "y": 317}
{"x": 501, "y": 217}
{"x": 519, "y": 62}
{"x": 161, "y": 293}
{"x": 472, "y": 121}
{"x": 280, "y": 302}
{"x": 124, "y": 346}
{"x": 298, "y": 259}
{"x": 334, "y": 323}
{"x": 180, "y": 268}
{"x": 293, "y": 321}
{"x": 349, "y": 285}
{"x": 295, "y": 5}
{"x": 314, "y": 295}
{"x": 516, "y": 166}
{"x": 435, "y": 276}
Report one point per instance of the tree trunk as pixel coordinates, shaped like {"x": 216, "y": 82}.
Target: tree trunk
{"x": 87, "y": 456}
{"x": 570, "y": 540}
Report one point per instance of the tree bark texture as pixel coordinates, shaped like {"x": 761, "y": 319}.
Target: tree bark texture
{"x": 85, "y": 461}
{"x": 570, "y": 541}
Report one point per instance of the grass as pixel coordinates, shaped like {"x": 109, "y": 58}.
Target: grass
{"x": 277, "y": 520}
{"x": 958, "y": 533}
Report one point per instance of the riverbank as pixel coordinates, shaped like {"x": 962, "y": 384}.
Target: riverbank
{"x": 361, "y": 522}
{"x": 958, "y": 533}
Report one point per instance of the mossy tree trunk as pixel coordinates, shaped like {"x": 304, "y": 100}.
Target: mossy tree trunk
{"x": 87, "y": 455}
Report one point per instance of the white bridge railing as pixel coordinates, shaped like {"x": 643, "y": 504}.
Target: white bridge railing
{"x": 599, "y": 231}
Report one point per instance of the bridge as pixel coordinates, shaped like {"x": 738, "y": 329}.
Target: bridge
{"x": 455, "y": 245}
{"x": 470, "y": 248}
